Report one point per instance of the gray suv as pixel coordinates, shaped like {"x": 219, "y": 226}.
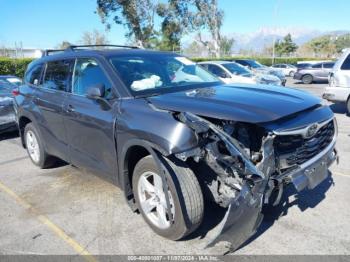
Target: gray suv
{"x": 173, "y": 137}
{"x": 314, "y": 73}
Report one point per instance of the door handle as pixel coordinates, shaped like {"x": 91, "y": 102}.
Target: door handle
{"x": 70, "y": 109}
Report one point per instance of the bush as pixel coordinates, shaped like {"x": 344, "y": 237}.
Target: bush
{"x": 17, "y": 67}
{"x": 263, "y": 60}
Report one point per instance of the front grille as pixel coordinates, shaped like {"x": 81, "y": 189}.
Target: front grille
{"x": 294, "y": 150}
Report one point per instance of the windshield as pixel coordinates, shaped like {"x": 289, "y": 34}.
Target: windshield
{"x": 237, "y": 69}
{"x": 255, "y": 64}
{"x": 153, "y": 74}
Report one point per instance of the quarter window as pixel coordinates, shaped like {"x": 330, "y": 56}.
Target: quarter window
{"x": 88, "y": 73}
{"x": 346, "y": 64}
{"x": 57, "y": 75}
{"x": 34, "y": 74}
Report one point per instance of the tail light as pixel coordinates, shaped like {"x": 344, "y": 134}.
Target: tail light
{"x": 15, "y": 92}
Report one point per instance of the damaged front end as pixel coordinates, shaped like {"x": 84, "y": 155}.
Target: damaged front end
{"x": 242, "y": 170}
{"x": 249, "y": 166}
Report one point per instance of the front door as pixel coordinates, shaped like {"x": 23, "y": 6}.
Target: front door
{"x": 90, "y": 122}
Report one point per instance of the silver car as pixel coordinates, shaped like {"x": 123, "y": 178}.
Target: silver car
{"x": 314, "y": 73}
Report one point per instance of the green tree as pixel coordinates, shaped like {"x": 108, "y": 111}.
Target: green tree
{"x": 136, "y": 15}
{"x": 209, "y": 17}
{"x": 286, "y": 46}
{"x": 226, "y": 44}
{"x": 342, "y": 42}
{"x": 176, "y": 21}
{"x": 322, "y": 46}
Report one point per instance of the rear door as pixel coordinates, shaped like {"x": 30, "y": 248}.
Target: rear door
{"x": 90, "y": 122}
{"x": 49, "y": 99}
{"x": 327, "y": 68}
{"x": 316, "y": 71}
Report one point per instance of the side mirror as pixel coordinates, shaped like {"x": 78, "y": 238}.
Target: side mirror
{"x": 96, "y": 91}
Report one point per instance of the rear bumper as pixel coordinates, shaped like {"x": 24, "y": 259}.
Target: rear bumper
{"x": 336, "y": 94}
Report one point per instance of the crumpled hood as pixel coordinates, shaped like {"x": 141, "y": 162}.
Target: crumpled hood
{"x": 246, "y": 103}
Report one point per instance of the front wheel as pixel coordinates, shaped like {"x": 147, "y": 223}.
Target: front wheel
{"x": 185, "y": 197}
{"x": 291, "y": 73}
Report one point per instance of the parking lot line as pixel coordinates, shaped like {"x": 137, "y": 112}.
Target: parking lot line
{"x": 53, "y": 227}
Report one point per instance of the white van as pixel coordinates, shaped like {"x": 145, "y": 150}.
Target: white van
{"x": 339, "y": 81}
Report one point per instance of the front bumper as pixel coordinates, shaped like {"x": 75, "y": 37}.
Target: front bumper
{"x": 244, "y": 216}
{"x": 297, "y": 76}
{"x": 312, "y": 172}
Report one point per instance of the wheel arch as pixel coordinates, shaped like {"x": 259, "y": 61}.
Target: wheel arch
{"x": 22, "y": 122}
{"x": 133, "y": 151}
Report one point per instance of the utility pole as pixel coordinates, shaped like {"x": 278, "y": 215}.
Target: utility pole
{"x": 275, "y": 13}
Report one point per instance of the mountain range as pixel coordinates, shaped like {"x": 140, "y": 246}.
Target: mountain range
{"x": 256, "y": 41}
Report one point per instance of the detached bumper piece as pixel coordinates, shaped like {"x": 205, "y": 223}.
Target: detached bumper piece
{"x": 241, "y": 220}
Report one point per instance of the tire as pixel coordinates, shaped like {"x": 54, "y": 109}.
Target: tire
{"x": 348, "y": 107}
{"x": 307, "y": 79}
{"x": 35, "y": 147}
{"x": 291, "y": 73}
{"x": 185, "y": 197}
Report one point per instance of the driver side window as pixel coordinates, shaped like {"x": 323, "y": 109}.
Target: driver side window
{"x": 88, "y": 73}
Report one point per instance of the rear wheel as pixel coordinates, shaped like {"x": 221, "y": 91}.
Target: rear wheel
{"x": 291, "y": 73}
{"x": 307, "y": 79}
{"x": 185, "y": 197}
{"x": 35, "y": 147}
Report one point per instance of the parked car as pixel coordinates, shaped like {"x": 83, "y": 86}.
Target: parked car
{"x": 171, "y": 135}
{"x": 259, "y": 68}
{"x": 231, "y": 72}
{"x": 8, "y": 85}
{"x": 339, "y": 81}
{"x": 287, "y": 69}
{"x": 10, "y": 80}
{"x": 314, "y": 73}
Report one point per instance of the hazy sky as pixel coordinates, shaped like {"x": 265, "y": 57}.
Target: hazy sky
{"x": 45, "y": 23}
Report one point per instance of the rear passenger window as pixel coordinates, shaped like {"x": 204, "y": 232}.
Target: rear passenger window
{"x": 346, "y": 64}
{"x": 328, "y": 65}
{"x": 317, "y": 66}
{"x": 34, "y": 74}
{"x": 57, "y": 75}
{"x": 88, "y": 73}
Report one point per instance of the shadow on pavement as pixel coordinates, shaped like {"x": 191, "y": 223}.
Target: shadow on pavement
{"x": 304, "y": 200}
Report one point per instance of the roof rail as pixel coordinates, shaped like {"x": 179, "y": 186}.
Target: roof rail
{"x": 48, "y": 51}
{"x": 73, "y": 47}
